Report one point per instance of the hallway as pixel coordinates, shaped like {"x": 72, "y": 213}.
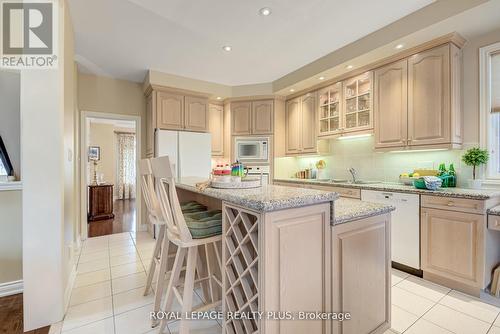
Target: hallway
{"x": 124, "y": 221}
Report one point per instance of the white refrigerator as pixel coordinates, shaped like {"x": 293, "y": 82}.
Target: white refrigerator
{"x": 189, "y": 152}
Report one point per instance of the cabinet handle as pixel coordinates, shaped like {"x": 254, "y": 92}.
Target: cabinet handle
{"x": 451, "y": 203}
{"x": 496, "y": 223}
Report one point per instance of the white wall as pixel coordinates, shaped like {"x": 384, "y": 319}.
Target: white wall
{"x": 11, "y": 225}
{"x": 10, "y": 116}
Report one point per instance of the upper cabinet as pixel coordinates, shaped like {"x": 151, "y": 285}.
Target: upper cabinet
{"x": 173, "y": 111}
{"x": 417, "y": 101}
{"x": 300, "y": 126}
{"x": 216, "y": 128}
{"x": 346, "y": 106}
{"x": 252, "y": 118}
{"x": 150, "y": 128}
{"x": 390, "y": 104}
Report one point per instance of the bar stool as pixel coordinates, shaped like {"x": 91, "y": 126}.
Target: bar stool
{"x": 187, "y": 233}
{"x": 156, "y": 217}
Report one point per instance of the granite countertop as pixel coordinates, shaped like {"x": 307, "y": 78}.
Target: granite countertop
{"x": 480, "y": 194}
{"x": 348, "y": 210}
{"x": 262, "y": 199}
{"x": 495, "y": 211}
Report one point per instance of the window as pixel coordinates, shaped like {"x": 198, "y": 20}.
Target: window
{"x": 489, "y": 58}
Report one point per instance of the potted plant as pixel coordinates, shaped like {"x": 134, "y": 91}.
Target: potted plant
{"x": 475, "y": 157}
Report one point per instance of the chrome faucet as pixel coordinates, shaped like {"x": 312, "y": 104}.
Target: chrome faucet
{"x": 354, "y": 174}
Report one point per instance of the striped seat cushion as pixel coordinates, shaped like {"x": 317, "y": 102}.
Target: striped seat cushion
{"x": 192, "y": 207}
{"x": 204, "y": 224}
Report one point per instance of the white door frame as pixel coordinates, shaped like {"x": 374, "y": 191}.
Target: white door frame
{"x": 83, "y": 165}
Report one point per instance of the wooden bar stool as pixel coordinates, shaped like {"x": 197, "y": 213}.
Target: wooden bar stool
{"x": 156, "y": 217}
{"x": 188, "y": 234}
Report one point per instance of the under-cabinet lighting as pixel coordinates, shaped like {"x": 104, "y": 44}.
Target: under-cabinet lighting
{"x": 399, "y": 46}
{"x": 219, "y": 98}
{"x": 422, "y": 150}
{"x": 227, "y": 48}
{"x": 349, "y": 67}
{"x": 364, "y": 135}
{"x": 292, "y": 90}
{"x": 321, "y": 78}
{"x": 265, "y": 11}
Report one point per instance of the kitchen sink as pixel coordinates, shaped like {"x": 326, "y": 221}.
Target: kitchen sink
{"x": 357, "y": 181}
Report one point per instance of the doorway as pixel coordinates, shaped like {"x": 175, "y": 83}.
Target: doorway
{"x": 110, "y": 189}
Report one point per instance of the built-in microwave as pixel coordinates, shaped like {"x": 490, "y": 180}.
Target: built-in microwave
{"x": 248, "y": 149}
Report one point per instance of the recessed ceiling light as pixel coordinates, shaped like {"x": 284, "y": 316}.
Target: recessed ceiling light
{"x": 349, "y": 67}
{"x": 266, "y": 11}
{"x": 219, "y": 98}
{"x": 399, "y": 46}
{"x": 292, "y": 90}
{"x": 227, "y": 48}
{"x": 321, "y": 78}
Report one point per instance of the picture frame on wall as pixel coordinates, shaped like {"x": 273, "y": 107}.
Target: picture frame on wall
{"x": 94, "y": 153}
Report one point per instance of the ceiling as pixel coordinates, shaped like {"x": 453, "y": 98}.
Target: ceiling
{"x": 125, "y": 38}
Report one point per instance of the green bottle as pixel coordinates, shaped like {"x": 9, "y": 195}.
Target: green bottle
{"x": 452, "y": 182}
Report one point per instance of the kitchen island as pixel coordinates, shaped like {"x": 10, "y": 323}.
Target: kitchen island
{"x": 285, "y": 253}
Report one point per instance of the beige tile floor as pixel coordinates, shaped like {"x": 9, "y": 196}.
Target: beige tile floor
{"x": 107, "y": 297}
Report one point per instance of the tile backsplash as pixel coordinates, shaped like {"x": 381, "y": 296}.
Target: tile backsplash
{"x": 386, "y": 167}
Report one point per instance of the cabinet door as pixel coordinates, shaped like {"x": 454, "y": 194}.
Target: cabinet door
{"x": 452, "y": 245}
{"x": 361, "y": 275}
{"x": 170, "y": 111}
{"x": 262, "y": 117}
{"x": 429, "y": 97}
{"x": 196, "y": 113}
{"x": 293, "y": 126}
{"x": 357, "y": 108}
{"x": 216, "y": 128}
{"x": 150, "y": 126}
{"x": 391, "y": 105}
{"x": 308, "y": 124}
{"x": 241, "y": 115}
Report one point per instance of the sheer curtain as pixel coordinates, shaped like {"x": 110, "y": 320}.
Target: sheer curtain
{"x": 126, "y": 166}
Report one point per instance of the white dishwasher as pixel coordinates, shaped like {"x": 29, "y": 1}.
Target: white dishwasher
{"x": 405, "y": 224}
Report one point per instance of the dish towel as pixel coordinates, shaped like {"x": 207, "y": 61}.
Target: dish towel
{"x": 432, "y": 182}
{"x": 202, "y": 185}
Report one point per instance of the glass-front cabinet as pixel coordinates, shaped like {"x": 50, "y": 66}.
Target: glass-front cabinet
{"x": 346, "y": 106}
{"x": 330, "y": 99}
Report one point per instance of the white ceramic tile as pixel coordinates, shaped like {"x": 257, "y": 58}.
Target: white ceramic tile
{"x": 135, "y": 321}
{"x": 397, "y": 276}
{"x": 130, "y": 300}
{"x": 126, "y": 269}
{"x": 197, "y": 327}
{"x": 124, "y": 259}
{"x": 497, "y": 321}
{"x": 129, "y": 282}
{"x": 86, "y": 313}
{"x": 423, "y": 326}
{"x": 423, "y": 288}
{"x": 471, "y": 306}
{"x": 494, "y": 330}
{"x": 121, "y": 250}
{"x": 90, "y": 292}
{"x": 95, "y": 265}
{"x": 92, "y": 250}
{"x": 56, "y": 328}
{"x": 92, "y": 278}
{"x": 455, "y": 321}
{"x": 121, "y": 243}
{"x": 94, "y": 256}
{"x": 105, "y": 326}
{"x": 410, "y": 302}
{"x": 120, "y": 236}
{"x": 401, "y": 319}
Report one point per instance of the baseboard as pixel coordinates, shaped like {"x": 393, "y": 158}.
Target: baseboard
{"x": 11, "y": 288}
{"x": 69, "y": 287}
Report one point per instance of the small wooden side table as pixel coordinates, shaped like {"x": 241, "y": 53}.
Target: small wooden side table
{"x": 100, "y": 202}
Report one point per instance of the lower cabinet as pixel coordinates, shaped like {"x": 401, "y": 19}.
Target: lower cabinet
{"x": 452, "y": 246}
{"x": 361, "y": 275}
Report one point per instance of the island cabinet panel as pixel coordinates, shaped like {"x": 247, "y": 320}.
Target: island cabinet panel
{"x": 361, "y": 267}
{"x": 429, "y": 109}
{"x": 453, "y": 245}
{"x": 170, "y": 111}
{"x": 262, "y": 117}
{"x": 391, "y": 105}
{"x": 196, "y": 114}
{"x": 216, "y": 128}
{"x": 296, "y": 267}
{"x": 241, "y": 115}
